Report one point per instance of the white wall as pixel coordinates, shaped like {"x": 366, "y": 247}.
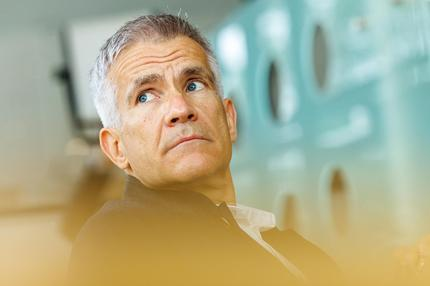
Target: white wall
{"x": 34, "y": 124}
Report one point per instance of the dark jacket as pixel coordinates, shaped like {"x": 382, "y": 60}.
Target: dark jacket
{"x": 175, "y": 238}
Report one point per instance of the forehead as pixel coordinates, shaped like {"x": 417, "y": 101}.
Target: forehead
{"x": 146, "y": 57}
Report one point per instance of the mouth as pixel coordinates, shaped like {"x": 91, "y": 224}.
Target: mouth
{"x": 188, "y": 139}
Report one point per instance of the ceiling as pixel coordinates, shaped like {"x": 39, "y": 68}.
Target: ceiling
{"x": 56, "y": 13}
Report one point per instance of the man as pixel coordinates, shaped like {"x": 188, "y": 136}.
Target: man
{"x": 167, "y": 126}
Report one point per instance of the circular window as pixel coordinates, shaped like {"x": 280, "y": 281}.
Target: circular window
{"x": 282, "y": 94}
{"x": 274, "y": 90}
{"x": 289, "y": 215}
{"x": 320, "y": 57}
{"x": 339, "y": 200}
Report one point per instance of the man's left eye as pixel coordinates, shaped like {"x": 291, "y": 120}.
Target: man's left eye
{"x": 194, "y": 86}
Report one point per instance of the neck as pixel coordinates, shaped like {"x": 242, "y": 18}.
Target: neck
{"x": 218, "y": 187}
{"x": 218, "y": 190}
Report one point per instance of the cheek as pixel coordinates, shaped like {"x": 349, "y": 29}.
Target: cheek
{"x": 212, "y": 112}
{"x": 136, "y": 138}
{"x": 221, "y": 125}
{"x": 139, "y": 125}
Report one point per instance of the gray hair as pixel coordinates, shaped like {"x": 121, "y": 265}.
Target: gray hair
{"x": 144, "y": 28}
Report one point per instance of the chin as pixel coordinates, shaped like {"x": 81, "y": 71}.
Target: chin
{"x": 195, "y": 166}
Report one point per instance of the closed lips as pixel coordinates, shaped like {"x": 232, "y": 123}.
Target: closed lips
{"x": 188, "y": 138}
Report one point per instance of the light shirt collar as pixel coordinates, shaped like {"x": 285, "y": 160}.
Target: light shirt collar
{"x": 256, "y": 219}
{"x": 253, "y": 221}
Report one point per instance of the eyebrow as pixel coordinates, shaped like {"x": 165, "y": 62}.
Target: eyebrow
{"x": 152, "y": 78}
{"x": 197, "y": 71}
{"x": 140, "y": 81}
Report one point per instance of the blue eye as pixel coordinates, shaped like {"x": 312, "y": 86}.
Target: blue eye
{"x": 194, "y": 86}
{"x": 145, "y": 97}
{"x": 142, "y": 98}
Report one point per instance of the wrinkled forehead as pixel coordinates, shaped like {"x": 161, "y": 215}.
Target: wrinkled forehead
{"x": 156, "y": 55}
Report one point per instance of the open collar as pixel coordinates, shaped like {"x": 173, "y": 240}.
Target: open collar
{"x": 184, "y": 202}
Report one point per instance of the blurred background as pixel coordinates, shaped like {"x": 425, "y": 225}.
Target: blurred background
{"x": 332, "y": 99}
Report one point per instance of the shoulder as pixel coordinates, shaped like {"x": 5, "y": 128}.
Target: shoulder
{"x": 312, "y": 260}
{"x": 111, "y": 215}
{"x": 319, "y": 265}
{"x": 117, "y": 235}
{"x": 101, "y": 227}
{"x": 117, "y": 221}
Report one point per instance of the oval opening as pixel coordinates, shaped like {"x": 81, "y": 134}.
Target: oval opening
{"x": 289, "y": 213}
{"x": 320, "y": 57}
{"x": 274, "y": 90}
{"x": 339, "y": 200}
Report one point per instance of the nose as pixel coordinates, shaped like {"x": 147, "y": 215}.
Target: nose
{"x": 179, "y": 110}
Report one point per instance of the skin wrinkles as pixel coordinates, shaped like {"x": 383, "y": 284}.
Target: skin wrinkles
{"x": 187, "y": 130}
{"x": 131, "y": 55}
{"x": 131, "y": 60}
{"x": 146, "y": 144}
{"x": 146, "y": 63}
{"x": 136, "y": 71}
{"x": 139, "y": 84}
{"x": 175, "y": 88}
{"x": 194, "y": 72}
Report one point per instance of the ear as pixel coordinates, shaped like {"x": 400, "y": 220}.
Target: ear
{"x": 112, "y": 147}
{"x": 230, "y": 112}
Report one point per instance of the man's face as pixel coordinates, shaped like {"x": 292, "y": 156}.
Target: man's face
{"x": 175, "y": 127}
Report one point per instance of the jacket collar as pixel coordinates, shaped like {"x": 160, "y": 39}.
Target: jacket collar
{"x": 191, "y": 203}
